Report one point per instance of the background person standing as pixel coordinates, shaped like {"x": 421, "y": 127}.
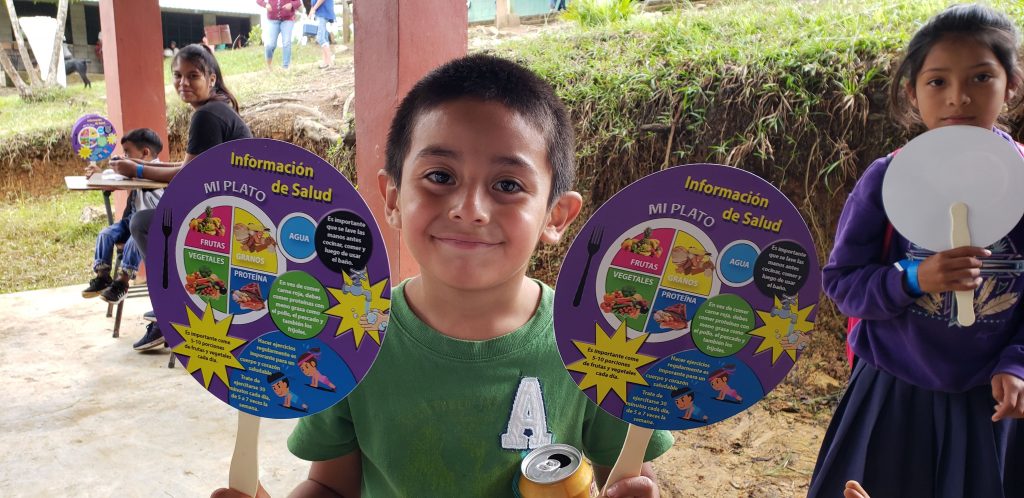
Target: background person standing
{"x": 280, "y": 20}
{"x": 323, "y": 10}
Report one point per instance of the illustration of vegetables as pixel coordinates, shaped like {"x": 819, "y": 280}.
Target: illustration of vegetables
{"x": 205, "y": 284}
{"x": 624, "y": 302}
{"x": 644, "y": 245}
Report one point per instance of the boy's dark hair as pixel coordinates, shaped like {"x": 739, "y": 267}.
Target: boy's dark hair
{"x": 144, "y": 137}
{"x": 276, "y": 377}
{"x": 982, "y": 24}
{"x": 682, "y": 391}
{"x": 489, "y": 79}
{"x": 200, "y": 56}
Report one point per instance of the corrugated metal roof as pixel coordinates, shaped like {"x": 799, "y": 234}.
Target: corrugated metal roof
{"x": 239, "y": 7}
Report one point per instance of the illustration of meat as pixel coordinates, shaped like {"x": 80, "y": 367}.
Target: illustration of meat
{"x": 673, "y": 317}
{"x": 249, "y": 297}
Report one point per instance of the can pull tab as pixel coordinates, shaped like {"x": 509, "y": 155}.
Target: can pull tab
{"x": 553, "y": 463}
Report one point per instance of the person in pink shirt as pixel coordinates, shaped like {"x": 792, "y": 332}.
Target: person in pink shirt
{"x": 280, "y": 20}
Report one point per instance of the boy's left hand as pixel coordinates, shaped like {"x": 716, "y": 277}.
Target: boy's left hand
{"x": 1008, "y": 391}
{"x": 638, "y": 487}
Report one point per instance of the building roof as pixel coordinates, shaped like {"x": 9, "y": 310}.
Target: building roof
{"x": 229, "y": 7}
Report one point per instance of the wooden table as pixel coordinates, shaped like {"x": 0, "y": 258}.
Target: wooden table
{"x": 95, "y": 182}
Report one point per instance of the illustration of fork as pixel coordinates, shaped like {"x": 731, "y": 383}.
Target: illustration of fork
{"x": 592, "y": 246}
{"x": 166, "y": 228}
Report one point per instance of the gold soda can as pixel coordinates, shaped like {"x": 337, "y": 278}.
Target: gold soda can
{"x": 556, "y": 471}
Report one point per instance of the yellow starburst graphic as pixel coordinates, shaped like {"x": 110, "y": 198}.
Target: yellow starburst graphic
{"x": 360, "y": 308}
{"x": 112, "y": 138}
{"x": 208, "y": 346}
{"x": 84, "y": 152}
{"x": 612, "y": 363}
{"x": 784, "y": 330}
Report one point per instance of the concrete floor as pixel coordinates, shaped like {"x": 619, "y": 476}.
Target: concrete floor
{"x": 83, "y": 414}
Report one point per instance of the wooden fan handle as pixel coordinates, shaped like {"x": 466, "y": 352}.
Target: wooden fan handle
{"x": 961, "y": 236}
{"x": 243, "y": 474}
{"x": 631, "y": 458}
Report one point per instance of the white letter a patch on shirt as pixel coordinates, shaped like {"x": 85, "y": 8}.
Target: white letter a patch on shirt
{"x": 528, "y": 424}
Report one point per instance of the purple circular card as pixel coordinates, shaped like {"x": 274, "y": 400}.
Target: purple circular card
{"x": 269, "y": 278}
{"x": 93, "y": 137}
{"x": 687, "y": 297}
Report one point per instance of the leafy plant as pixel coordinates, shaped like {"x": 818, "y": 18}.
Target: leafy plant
{"x": 599, "y": 12}
{"x": 255, "y": 36}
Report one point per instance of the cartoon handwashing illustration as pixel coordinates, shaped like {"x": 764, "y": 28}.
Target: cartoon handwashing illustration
{"x": 786, "y": 308}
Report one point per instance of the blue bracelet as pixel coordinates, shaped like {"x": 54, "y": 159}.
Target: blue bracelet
{"x": 910, "y": 276}
{"x": 138, "y": 170}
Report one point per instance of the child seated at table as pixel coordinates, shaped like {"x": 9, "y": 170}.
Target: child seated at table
{"x": 143, "y": 144}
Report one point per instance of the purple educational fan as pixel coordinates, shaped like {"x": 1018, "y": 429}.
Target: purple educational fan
{"x": 687, "y": 297}
{"x": 93, "y": 137}
{"x": 269, "y": 278}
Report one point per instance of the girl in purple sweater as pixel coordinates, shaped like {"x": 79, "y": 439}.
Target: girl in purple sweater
{"x": 932, "y": 408}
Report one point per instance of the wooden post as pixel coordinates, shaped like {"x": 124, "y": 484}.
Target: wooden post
{"x": 503, "y": 15}
{"x": 399, "y": 42}
{"x": 134, "y": 63}
{"x": 346, "y": 22}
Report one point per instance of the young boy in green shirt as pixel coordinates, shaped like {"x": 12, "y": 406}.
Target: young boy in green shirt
{"x": 479, "y": 165}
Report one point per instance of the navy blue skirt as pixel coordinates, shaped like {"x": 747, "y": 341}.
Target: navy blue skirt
{"x": 902, "y": 441}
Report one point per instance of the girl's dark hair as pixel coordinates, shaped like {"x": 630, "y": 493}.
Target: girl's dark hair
{"x": 982, "y": 24}
{"x": 200, "y": 56}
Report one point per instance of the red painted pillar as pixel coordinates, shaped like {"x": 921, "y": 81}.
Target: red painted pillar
{"x": 133, "y": 64}
{"x": 396, "y": 43}
{"x": 133, "y": 67}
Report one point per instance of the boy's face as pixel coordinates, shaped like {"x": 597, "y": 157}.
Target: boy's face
{"x": 474, "y": 196}
{"x": 280, "y": 388}
{"x": 133, "y": 151}
{"x": 685, "y": 401}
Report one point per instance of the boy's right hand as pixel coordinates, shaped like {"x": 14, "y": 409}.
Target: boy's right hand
{"x": 230, "y": 493}
{"x": 91, "y": 169}
{"x": 953, "y": 270}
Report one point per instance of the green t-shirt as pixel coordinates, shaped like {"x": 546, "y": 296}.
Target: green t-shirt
{"x": 437, "y": 416}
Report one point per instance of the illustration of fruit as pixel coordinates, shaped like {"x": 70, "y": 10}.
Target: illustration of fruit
{"x": 207, "y": 223}
{"x": 643, "y": 245}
